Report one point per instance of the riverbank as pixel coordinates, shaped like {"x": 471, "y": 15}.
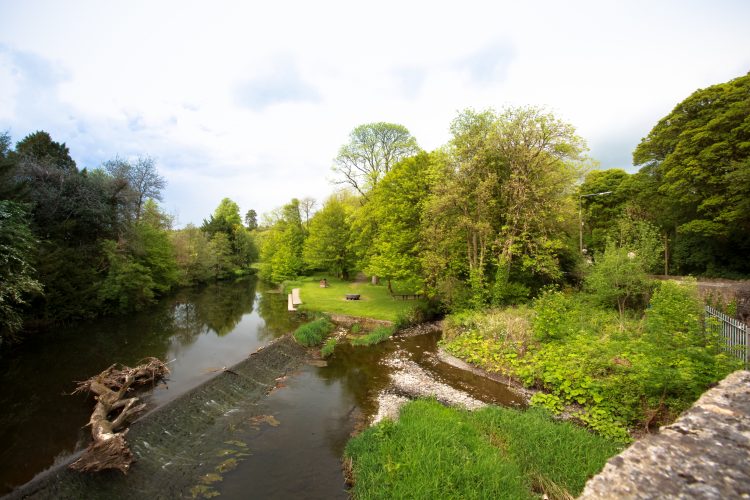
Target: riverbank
{"x": 424, "y": 431}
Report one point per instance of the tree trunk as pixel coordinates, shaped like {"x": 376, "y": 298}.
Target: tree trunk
{"x": 666, "y": 254}
{"x": 113, "y": 412}
{"x": 374, "y": 280}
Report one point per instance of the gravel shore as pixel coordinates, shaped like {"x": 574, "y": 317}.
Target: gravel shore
{"x": 410, "y": 381}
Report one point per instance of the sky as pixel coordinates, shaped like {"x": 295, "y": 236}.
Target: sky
{"x": 252, "y": 100}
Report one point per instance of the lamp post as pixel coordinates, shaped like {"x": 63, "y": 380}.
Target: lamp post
{"x": 580, "y": 215}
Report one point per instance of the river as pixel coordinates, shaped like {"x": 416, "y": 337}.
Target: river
{"x": 294, "y": 452}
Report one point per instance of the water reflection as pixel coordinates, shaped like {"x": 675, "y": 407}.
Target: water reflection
{"x": 199, "y": 331}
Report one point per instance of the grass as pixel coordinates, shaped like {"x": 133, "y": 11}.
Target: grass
{"x": 328, "y": 347}
{"x": 439, "y": 452}
{"x": 378, "y": 335}
{"x": 313, "y": 333}
{"x": 375, "y": 301}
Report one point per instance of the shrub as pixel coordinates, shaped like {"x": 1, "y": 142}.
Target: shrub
{"x": 549, "y": 402}
{"x": 552, "y": 318}
{"x": 313, "y": 333}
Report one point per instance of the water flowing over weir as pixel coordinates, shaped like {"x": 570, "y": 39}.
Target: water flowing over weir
{"x": 182, "y": 448}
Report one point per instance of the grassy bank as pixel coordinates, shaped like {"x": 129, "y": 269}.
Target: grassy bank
{"x": 438, "y": 452}
{"x": 374, "y": 302}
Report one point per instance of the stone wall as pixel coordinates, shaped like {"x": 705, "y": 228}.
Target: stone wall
{"x": 704, "y": 454}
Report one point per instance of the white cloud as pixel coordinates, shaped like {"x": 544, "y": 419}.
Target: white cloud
{"x": 253, "y": 100}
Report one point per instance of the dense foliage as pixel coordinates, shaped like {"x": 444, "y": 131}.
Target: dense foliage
{"x": 693, "y": 184}
{"x": 79, "y": 243}
{"x": 620, "y": 374}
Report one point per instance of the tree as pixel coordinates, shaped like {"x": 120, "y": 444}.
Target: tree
{"x": 251, "y": 220}
{"x": 599, "y": 212}
{"x": 619, "y": 275}
{"x": 698, "y": 157}
{"x": 10, "y": 187}
{"x": 618, "y": 278}
{"x": 141, "y": 264}
{"x": 142, "y": 178}
{"x": 327, "y": 244}
{"x": 372, "y": 150}
{"x": 192, "y": 255}
{"x": 398, "y": 205}
{"x": 282, "y": 244}
{"x": 221, "y": 255}
{"x": 40, "y": 147}
{"x": 226, "y": 219}
{"x": 17, "y": 276}
{"x": 307, "y": 206}
{"x": 502, "y": 203}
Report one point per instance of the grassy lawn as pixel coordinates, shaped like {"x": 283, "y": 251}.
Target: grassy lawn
{"x": 375, "y": 302}
{"x": 439, "y": 452}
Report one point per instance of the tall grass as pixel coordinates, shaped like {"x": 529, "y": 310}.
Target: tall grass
{"x": 378, "y": 335}
{"x": 313, "y": 333}
{"x": 438, "y": 452}
{"x": 328, "y": 347}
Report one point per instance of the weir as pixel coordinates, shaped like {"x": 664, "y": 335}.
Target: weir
{"x": 183, "y": 447}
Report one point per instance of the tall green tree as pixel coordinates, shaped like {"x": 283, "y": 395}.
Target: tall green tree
{"x": 39, "y": 147}
{"x": 226, "y": 219}
{"x": 17, "y": 276}
{"x": 503, "y": 200}
{"x": 141, "y": 264}
{"x": 251, "y": 219}
{"x": 192, "y": 255}
{"x": 398, "y": 203}
{"x": 327, "y": 246}
{"x": 600, "y": 212}
{"x": 698, "y": 157}
{"x": 372, "y": 150}
{"x": 282, "y": 244}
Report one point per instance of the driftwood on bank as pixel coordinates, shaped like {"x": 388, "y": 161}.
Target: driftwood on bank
{"x": 114, "y": 410}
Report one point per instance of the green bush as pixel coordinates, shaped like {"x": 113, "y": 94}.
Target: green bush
{"x": 313, "y": 333}
{"x": 552, "y": 316}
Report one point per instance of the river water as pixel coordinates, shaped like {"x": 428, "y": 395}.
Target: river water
{"x": 293, "y": 451}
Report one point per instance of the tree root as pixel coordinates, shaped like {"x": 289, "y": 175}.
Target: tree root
{"x": 114, "y": 412}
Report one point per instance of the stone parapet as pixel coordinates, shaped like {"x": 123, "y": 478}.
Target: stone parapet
{"x": 704, "y": 454}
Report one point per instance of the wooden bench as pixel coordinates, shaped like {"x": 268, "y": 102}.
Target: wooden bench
{"x": 406, "y": 296}
{"x": 352, "y": 296}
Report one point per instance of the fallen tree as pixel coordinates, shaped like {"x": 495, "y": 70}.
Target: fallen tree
{"x": 115, "y": 409}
